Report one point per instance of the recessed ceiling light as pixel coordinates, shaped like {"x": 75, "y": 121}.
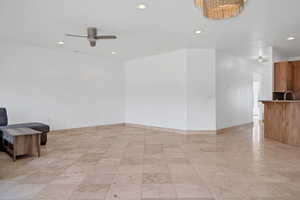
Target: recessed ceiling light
{"x": 113, "y": 52}
{"x": 291, "y": 38}
{"x": 61, "y": 42}
{"x": 198, "y": 31}
{"x": 142, "y": 6}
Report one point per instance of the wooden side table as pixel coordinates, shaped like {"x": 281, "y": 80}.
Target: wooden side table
{"x": 21, "y": 141}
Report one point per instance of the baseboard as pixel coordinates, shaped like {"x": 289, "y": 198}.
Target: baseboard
{"x": 234, "y": 128}
{"x": 154, "y": 128}
{"x": 203, "y": 132}
{"x": 105, "y": 126}
{"x": 169, "y": 129}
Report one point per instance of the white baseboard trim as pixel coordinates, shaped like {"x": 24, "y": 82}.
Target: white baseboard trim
{"x": 170, "y": 129}
{"x": 234, "y": 128}
{"x": 204, "y": 132}
{"x": 105, "y": 126}
{"x": 120, "y": 125}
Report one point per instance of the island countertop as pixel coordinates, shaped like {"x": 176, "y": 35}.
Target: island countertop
{"x": 280, "y": 101}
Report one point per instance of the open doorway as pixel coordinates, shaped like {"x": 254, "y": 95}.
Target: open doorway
{"x": 257, "y": 112}
{"x": 256, "y": 91}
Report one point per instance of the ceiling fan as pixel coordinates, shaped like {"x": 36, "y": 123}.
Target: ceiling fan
{"x": 259, "y": 59}
{"x": 93, "y": 37}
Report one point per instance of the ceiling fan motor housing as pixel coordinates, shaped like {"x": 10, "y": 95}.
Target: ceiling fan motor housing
{"x": 92, "y": 34}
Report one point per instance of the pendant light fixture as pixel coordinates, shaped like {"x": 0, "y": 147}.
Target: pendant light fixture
{"x": 220, "y": 9}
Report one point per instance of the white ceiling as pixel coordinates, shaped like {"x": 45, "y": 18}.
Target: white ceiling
{"x": 165, "y": 25}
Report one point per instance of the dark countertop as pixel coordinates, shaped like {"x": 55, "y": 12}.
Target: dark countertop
{"x": 280, "y": 101}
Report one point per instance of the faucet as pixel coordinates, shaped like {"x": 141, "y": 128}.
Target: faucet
{"x": 289, "y": 92}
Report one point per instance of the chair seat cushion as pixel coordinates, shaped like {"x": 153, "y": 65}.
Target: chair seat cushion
{"x": 35, "y": 126}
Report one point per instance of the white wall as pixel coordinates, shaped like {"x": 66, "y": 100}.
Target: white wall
{"x": 156, "y": 90}
{"x": 233, "y": 90}
{"x": 278, "y": 55}
{"x": 186, "y": 89}
{"x": 234, "y": 87}
{"x": 201, "y": 100}
{"x": 62, "y": 89}
{"x": 266, "y": 75}
{"x": 172, "y": 90}
{"x": 297, "y": 58}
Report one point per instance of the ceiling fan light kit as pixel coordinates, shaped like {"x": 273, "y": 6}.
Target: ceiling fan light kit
{"x": 93, "y": 37}
{"x": 220, "y": 9}
{"x": 260, "y": 59}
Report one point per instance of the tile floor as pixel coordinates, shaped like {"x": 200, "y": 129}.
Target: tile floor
{"x": 126, "y": 163}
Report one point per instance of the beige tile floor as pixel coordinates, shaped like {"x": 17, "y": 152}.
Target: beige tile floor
{"x": 126, "y": 163}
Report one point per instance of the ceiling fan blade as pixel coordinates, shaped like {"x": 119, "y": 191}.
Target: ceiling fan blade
{"x": 93, "y": 43}
{"x": 106, "y": 37}
{"x": 72, "y": 35}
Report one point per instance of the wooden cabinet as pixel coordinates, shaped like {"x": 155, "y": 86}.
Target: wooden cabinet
{"x": 296, "y": 81}
{"x": 281, "y": 121}
{"x": 283, "y": 76}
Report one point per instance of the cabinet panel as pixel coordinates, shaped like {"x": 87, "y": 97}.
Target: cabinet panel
{"x": 296, "y": 81}
{"x": 290, "y": 76}
{"x": 283, "y": 76}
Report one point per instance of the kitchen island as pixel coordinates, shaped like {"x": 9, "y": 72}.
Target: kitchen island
{"x": 282, "y": 121}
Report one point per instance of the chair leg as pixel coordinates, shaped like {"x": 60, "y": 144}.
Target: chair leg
{"x": 43, "y": 138}
{"x": 14, "y": 148}
{"x": 38, "y": 146}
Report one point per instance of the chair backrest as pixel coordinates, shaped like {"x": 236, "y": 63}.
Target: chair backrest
{"x": 3, "y": 117}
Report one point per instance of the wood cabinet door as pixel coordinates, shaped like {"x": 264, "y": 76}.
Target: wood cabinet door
{"x": 296, "y": 81}
{"x": 283, "y": 76}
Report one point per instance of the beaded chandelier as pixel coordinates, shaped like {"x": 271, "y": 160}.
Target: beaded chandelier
{"x": 220, "y": 9}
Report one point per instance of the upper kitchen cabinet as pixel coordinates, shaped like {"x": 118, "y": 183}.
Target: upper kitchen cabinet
{"x": 283, "y": 76}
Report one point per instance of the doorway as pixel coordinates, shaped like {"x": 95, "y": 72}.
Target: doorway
{"x": 256, "y": 91}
